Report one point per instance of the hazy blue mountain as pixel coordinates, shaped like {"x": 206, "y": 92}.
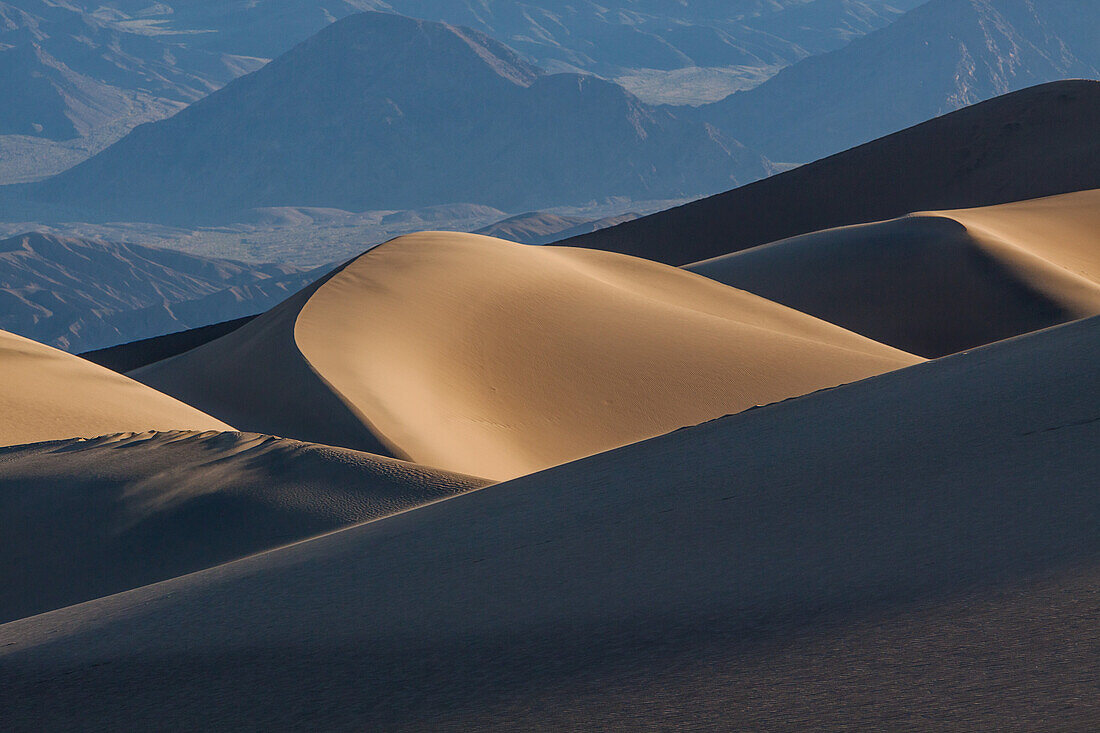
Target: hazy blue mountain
{"x": 76, "y": 75}
{"x": 78, "y": 294}
{"x": 379, "y": 111}
{"x": 67, "y": 74}
{"x": 939, "y": 57}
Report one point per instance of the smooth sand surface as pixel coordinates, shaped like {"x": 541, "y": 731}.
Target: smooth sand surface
{"x": 498, "y": 359}
{"x": 86, "y": 518}
{"x": 688, "y": 578}
{"x": 1036, "y": 142}
{"x": 46, "y": 394}
{"x": 934, "y": 283}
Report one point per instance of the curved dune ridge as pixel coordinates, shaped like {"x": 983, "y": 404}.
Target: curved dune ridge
{"x": 46, "y": 394}
{"x": 499, "y": 359}
{"x": 693, "y": 574}
{"x": 120, "y": 511}
{"x": 937, "y": 282}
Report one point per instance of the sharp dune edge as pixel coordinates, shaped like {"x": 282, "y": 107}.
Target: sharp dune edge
{"x": 934, "y": 283}
{"x": 47, "y": 394}
{"x": 497, "y": 359}
{"x": 686, "y": 579}
{"x": 120, "y": 511}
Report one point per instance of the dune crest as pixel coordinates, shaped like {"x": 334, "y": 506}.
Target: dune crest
{"x": 47, "y": 394}
{"x": 497, "y": 359}
{"x": 936, "y": 282}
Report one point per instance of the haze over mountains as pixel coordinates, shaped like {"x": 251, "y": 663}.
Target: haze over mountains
{"x": 74, "y": 80}
{"x": 333, "y": 123}
{"x": 379, "y": 111}
{"x": 78, "y": 75}
{"x": 943, "y": 55}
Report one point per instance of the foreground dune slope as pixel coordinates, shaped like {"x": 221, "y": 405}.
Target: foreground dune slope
{"x": 120, "y": 511}
{"x": 1036, "y": 142}
{"x": 498, "y": 359}
{"x": 46, "y": 394}
{"x": 934, "y": 283}
{"x": 695, "y": 574}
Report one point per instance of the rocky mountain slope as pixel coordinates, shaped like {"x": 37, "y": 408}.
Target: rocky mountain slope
{"x": 88, "y": 75}
{"x": 941, "y": 56}
{"x": 79, "y": 294}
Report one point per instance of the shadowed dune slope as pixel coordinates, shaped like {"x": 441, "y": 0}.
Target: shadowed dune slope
{"x": 121, "y": 511}
{"x": 936, "y": 282}
{"x": 630, "y": 583}
{"x": 46, "y": 394}
{"x": 134, "y": 354}
{"x": 1040, "y": 141}
{"x": 498, "y": 359}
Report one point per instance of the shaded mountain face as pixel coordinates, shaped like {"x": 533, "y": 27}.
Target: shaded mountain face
{"x": 939, "y": 57}
{"x": 1036, "y": 142}
{"x": 81, "y": 74}
{"x": 79, "y": 294}
{"x": 379, "y": 111}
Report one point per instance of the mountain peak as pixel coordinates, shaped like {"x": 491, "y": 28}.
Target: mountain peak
{"x": 380, "y": 111}
{"x": 385, "y": 43}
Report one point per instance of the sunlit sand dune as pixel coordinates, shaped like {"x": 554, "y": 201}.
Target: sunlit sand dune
{"x": 934, "y": 283}
{"x": 497, "y": 359}
{"x": 104, "y": 515}
{"x": 822, "y": 559}
{"x": 46, "y": 394}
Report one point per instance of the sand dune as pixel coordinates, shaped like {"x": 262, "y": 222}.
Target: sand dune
{"x": 46, "y": 394}
{"x": 936, "y": 282}
{"x": 692, "y": 573}
{"x": 1035, "y": 142}
{"x": 120, "y": 511}
{"x": 497, "y": 359}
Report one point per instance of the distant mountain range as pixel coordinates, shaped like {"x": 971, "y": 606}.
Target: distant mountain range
{"x": 79, "y": 294}
{"x": 379, "y": 111}
{"x": 89, "y": 75}
{"x": 941, "y": 56}
{"x": 77, "y": 75}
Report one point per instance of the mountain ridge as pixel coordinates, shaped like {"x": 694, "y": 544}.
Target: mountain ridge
{"x": 939, "y": 57}
{"x": 399, "y": 113}
{"x": 79, "y": 294}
